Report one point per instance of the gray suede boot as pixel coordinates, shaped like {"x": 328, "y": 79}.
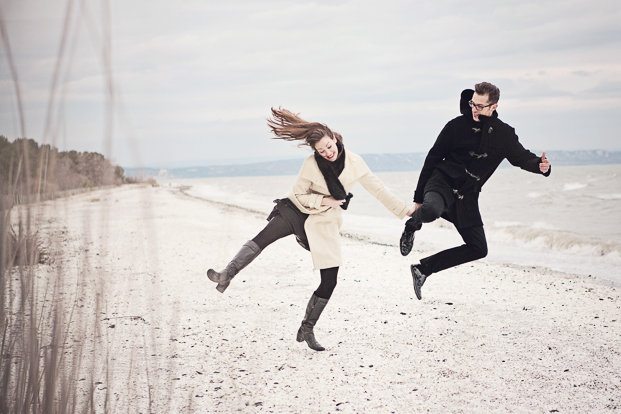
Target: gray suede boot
{"x": 313, "y": 312}
{"x": 249, "y": 251}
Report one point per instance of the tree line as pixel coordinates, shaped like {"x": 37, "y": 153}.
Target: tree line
{"x": 29, "y": 168}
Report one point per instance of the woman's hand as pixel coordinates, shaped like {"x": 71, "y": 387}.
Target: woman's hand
{"x": 331, "y": 202}
{"x": 415, "y": 207}
{"x": 411, "y": 211}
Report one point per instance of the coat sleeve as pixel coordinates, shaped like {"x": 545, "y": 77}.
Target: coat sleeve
{"x": 519, "y": 156}
{"x": 376, "y": 188}
{"x": 436, "y": 154}
{"x": 302, "y": 191}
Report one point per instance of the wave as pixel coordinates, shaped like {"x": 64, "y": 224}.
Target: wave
{"x": 543, "y": 236}
{"x": 573, "y": 186}
{"x": 616, "y": 196}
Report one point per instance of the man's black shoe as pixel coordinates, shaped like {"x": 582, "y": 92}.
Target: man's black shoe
{"x": 407, "y": 241}
{"x": 418, "y": 280}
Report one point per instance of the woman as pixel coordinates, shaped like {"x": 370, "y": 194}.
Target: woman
{"x": 312, "y": 210}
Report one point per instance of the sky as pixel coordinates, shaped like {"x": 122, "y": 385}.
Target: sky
{"x": 171, "y": 84}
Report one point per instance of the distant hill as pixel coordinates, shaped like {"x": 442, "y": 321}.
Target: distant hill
{"x": 377, "y": 163}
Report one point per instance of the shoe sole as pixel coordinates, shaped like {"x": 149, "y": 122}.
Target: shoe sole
{"x": 222, "y": 287}
{"x": 404, "y": 250}
{"x": 300, "y": 338}
{"x": 215, "y": 277}
{"x": 418, "y": 294}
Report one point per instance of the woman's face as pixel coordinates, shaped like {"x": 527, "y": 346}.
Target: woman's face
{"x": 326, "y": 147}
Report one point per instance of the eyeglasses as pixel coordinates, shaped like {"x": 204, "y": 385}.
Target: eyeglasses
{"x": 479, "y": 107}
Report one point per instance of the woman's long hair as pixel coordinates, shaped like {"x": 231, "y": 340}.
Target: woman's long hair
{"x": 288, "y": 126}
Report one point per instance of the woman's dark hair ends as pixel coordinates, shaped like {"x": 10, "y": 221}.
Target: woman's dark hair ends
{"x": 288, "y": 126}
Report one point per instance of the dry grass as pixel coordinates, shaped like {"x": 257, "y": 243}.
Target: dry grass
{"x": 49, "y": 352}
{"x": 33, "y": 322}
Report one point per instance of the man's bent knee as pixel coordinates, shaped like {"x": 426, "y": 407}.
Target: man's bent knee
{"x": 433, "y": 207}
{"x": 430, "y": 212}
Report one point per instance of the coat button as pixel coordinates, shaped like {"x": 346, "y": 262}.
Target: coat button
{"x": 489, "y": 131}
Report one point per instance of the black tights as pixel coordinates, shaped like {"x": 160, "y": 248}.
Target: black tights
{"x": 278, "y": 228}
{"x": 328, "y": 282}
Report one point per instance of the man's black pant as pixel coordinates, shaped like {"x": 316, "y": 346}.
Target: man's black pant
{"x": 475, "y": 248}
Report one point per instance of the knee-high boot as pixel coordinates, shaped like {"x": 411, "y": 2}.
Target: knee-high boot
{"x": 249, "y": 251}
{"x": 313, "y": 312}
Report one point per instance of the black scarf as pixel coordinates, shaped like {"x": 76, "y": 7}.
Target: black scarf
{"x": 331, "y": 171}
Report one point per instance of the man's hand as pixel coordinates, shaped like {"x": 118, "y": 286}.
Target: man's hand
{"x": 544, "y": 165}
{"x": 331, "y": 202}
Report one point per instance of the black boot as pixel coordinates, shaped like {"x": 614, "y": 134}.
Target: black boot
{"x": 407, "y": 237}
{"x": 249, "y": 251}
{"x": 313, "y": 311}
{"x": 418, "y": 279}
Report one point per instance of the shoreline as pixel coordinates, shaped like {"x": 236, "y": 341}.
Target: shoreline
{"x": 485, "y": 337}
{"x": 522, "y": 225}
{"x": 368, "y": 239}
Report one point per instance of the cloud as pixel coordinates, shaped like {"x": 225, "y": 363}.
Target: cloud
{"x": 582, "y": 73}
{"x": 212, "y": 69}
{"x": 606, "y": 89}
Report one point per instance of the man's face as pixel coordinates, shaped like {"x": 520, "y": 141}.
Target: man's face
{"x": 481, "y": 101}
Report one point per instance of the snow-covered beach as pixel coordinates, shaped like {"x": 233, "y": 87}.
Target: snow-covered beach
{"x": 485, "y": 338}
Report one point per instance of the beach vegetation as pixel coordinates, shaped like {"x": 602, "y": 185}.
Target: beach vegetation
{"x": 30, "y": 168}
{"x": 54, "y": 352}
{"x": 39, "y": 361}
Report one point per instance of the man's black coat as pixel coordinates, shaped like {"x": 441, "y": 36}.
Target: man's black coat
{"x": 452, "y": 162}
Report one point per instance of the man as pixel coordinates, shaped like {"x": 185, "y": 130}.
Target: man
{"x": 463, "y": 158}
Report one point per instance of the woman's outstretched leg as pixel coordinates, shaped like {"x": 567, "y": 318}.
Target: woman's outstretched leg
{"x": 315, "y": 306}
{"x": 276, "y": 229}
{"x": 249, "y": 251}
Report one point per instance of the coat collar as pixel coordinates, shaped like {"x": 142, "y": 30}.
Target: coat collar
{"x": 487, "y": 125}
{"x": 354, "y": 169}
{"x": 485, "y": 120}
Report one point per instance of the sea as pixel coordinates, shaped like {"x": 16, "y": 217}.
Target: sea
{"x": 568, "y": 222}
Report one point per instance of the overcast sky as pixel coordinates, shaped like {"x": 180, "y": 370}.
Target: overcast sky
{"x": 194, "y": 80}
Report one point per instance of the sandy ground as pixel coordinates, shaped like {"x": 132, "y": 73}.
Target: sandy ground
{"x": 485, "y": 338}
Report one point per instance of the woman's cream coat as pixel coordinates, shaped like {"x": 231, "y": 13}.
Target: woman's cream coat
{"x": 323, "y": 223}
